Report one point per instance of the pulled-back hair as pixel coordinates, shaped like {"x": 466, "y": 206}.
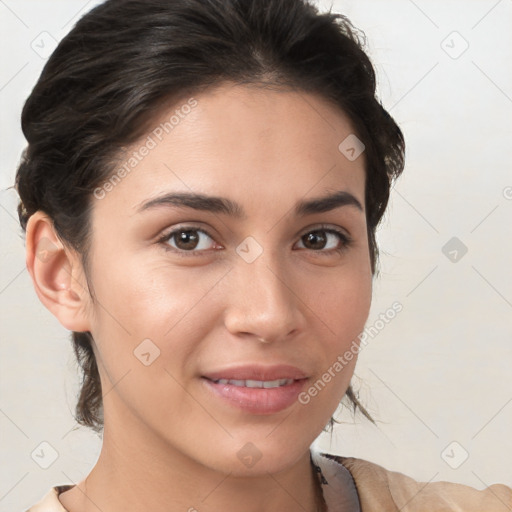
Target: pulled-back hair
{"x": 127, "y": 59}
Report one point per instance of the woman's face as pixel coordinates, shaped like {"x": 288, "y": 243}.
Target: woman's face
{"x": 257, "y": 256}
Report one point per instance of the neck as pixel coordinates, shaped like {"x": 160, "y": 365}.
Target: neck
{"x": 137, "y": 471}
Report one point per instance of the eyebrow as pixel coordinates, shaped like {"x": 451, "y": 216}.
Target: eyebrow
{"x": 216, "y": 204}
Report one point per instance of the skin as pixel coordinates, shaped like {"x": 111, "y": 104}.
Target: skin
{"x": 176, "y": 444}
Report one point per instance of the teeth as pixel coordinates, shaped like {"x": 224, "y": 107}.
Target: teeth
{"x": 256, "y": 383}
{"x": 276, "y": 383}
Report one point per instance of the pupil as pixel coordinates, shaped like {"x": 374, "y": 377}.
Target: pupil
{"x": 186, "y": 237}
{"x": 315, "y": 236}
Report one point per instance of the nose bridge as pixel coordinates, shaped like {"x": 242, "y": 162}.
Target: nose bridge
{"x": 262, "y": 299}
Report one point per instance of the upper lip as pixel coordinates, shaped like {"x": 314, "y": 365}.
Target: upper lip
{"x": 257, "y": 372}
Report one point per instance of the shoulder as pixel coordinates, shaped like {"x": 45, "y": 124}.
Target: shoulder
{"x": 384, "y": 490}
{"x": 50, "y": 501}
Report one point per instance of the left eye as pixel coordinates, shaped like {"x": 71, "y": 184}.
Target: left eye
{"x": 322, "y": 236}
{"x": 320, "y": 240}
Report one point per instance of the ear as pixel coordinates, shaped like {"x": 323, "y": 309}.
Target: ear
{"x": 57, "y": 274}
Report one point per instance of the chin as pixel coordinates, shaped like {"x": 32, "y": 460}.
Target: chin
{"x": 257, "y": 455}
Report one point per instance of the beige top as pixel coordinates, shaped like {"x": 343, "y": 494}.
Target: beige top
{"x": 356, "y": 485}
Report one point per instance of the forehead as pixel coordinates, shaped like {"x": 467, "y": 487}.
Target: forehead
{"x": 244, "y": 142}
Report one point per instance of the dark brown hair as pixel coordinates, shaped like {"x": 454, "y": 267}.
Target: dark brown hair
{"x": 126, "y": 59}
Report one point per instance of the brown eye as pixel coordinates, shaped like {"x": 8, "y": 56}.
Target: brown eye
{"x": 325, "y": 240}
{"x": 187, "y": 240}
{"x": 315, "y": 240}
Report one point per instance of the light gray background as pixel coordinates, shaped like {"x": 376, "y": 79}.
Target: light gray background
{"x": 440, "y": 372}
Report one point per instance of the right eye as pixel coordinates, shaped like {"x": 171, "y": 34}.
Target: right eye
{"x": 187, "y": 239}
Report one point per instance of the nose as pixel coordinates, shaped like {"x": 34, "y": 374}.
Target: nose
{"x": 263, "y": 303}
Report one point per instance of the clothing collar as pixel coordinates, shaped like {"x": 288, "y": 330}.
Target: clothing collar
{"x": 337, "y": 484}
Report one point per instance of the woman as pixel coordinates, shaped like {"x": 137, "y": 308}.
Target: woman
{"x": 200, "y": 194}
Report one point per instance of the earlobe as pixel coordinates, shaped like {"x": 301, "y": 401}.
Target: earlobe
{"x": 56, "y": 274}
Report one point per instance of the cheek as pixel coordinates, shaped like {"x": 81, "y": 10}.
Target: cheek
{"x": 342, "y": 300}
{"x": 146, "y": 332}
{"x": 149, "y": 296}
{"x": 139, "y": 301}
{"x": 343, "y": 305}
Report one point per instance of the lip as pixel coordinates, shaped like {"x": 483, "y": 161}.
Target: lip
{"x": 257, "y": 372}
{"x": 257, "y": 400}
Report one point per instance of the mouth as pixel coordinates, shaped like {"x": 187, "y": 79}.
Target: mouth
{"x": 257, "y": 373}
{"x": 267, "y": 384}
{"x": 256, "y": 389}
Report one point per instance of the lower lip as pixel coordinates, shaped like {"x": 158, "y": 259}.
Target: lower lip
{"x": 258, "y": 400}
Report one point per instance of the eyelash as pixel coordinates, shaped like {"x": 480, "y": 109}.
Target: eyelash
{"x": 346, "y": 241}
